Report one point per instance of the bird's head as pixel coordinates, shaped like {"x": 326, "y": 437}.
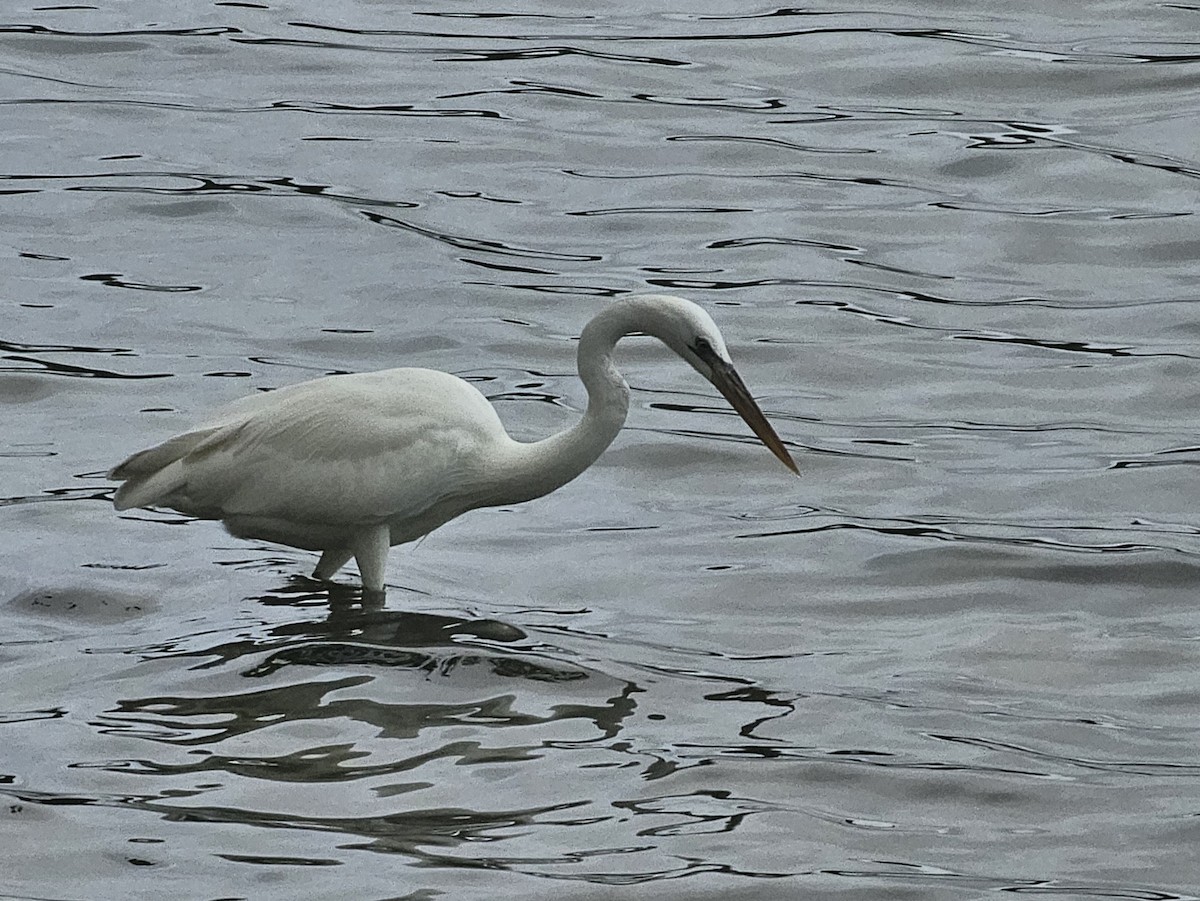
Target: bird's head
{"x": 689, "y": 331}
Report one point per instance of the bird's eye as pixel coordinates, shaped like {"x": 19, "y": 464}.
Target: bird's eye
{"x": 704, "y": 349}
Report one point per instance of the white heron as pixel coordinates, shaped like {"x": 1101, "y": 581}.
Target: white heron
{"x": 351, "y": 465}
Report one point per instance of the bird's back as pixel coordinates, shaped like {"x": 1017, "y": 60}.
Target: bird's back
{"x": 329, "y": 454}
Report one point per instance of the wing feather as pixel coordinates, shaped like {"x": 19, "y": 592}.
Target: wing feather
{"x": 341, "y": 450}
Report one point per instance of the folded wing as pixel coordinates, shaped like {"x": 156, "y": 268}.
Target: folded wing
{"x": 344, "y": 450}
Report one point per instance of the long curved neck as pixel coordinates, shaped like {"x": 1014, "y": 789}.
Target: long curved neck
{"x": 540, "y": 467}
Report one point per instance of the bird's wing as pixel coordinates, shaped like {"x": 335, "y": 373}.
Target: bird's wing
{"x": 147, "y": 462}
{"x": 342, "y": 450}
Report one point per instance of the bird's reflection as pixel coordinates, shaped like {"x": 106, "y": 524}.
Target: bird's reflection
{"x": 485, "y": 673}
{"x": 361, "y": 615}
{"x": 359, "y": 630}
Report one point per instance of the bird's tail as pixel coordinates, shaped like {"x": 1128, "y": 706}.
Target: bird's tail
{"x": 151, "y": 475}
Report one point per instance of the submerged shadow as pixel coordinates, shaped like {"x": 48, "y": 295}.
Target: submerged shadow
{"x": 404, "y": 674}
{"x": 361, "y": 615}
{"x": 357, "y": 629}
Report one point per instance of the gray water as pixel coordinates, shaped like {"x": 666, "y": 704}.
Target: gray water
{"x": 952, "y": 248}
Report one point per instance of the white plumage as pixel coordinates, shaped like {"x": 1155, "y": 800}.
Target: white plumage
{"x": 351, "y": 465}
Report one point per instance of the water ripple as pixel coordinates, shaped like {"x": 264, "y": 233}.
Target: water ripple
{"x": 954, "y": 529}
{"x": 315, "y": 107}
{"x": 35, "y": 365}
{"x": 952, "y": 250}
{"x": 769, "y": 142}
{"x": 477, "y": 244}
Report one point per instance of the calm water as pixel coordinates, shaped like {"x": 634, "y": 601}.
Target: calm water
{"x": 953, "y": 250}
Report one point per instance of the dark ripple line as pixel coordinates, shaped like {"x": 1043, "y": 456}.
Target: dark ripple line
{"x": 951, "y": 35}
{"x": 895, "y": 700}
{"x": 237, "y": 35}
{"x": 869, "y": 180}
{"x": 483, "y": 36}
{"x": 528, "y": 87}
{"x": 926, "y": 297}
{"x": 115, "y": 280}
{"x": 12, "y": 717}
{"x": 510, "y": 267}
{"x": 901, "y": 270}
{"x": 215, "y": 31}
{"x": 84, "y": 372}
{"x": 1020, "y": 135}
{"x": 857, "y": 756}
{"x": 1130, "y": 767}
{"x": 307, "y": 106}
{"x": 479, "y": 245}
{"x": 1071, "y": 346}
{"x": 570, "y": 290}
{"x": 18, "y": 347}
{"x": 471, "y": 54}
{"x": 59, "y": 494}
{"x": 770, "y": 142}
{"x": 643, "y": 210}
{"x": 1137, "y": 525}
{"x": 552, "y": 52}
{"x": 1057, "y": 887}
{"x": 1093, "y": 214}
{"x": 17, "y": 73}
{"x": 504, "y": 15}
{"x": 917, "y": 529}
{"x": 467, "y": 54}
{"x": 327, "y": 45}
{"x": 1137, "y": 158}
{"x": 1188, "y": 449}
{"x": 692, "y": 868}
{"x": 787, "y": 242}
{"x": 1151, "y": 464}
{"x": 276, "y": 859}
{"x": 765, "y": 104}
{"x": 406, "y": 109}
{"x": 1064, "y": 56}
{"x": 1026, "y": 134}
{"x": 209, "y": 184}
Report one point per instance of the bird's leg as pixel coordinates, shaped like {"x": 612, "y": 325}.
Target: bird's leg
{"x": 370, "y": 551}
{"x": 331, "y": 561}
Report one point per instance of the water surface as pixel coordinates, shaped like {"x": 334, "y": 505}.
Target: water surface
{"x": 953, "y": 251}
